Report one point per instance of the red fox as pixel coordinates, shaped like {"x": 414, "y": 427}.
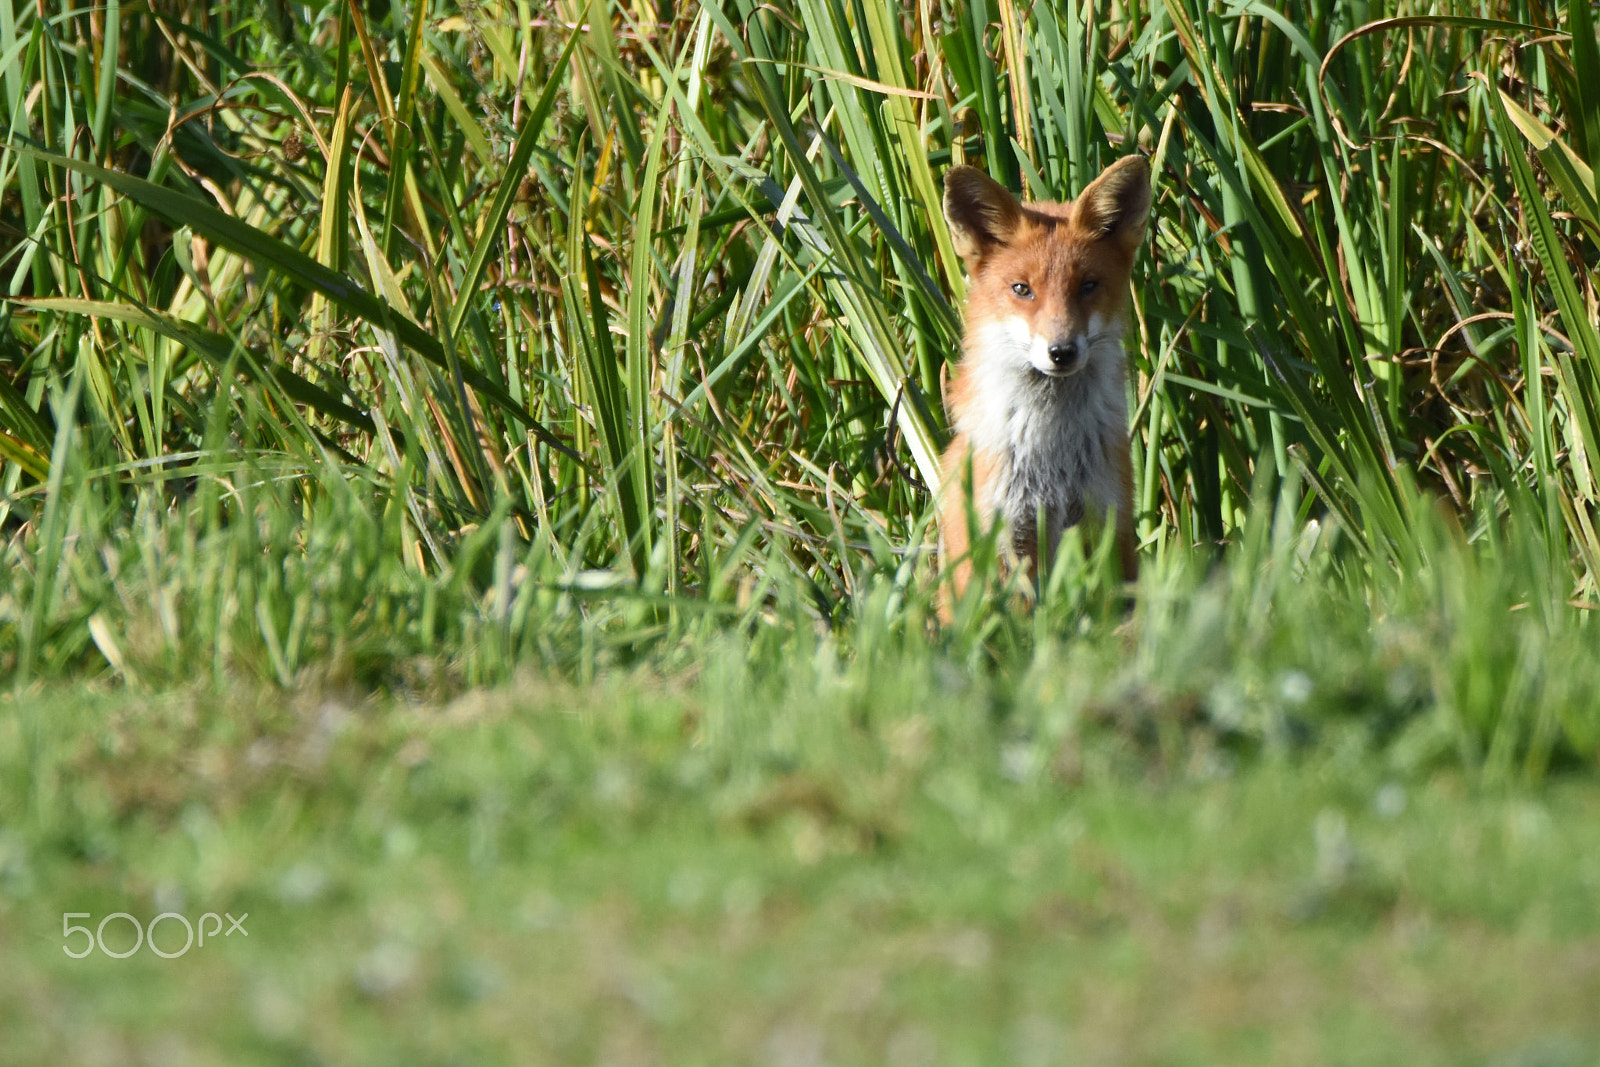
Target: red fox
{"x": 1038, "y": 402}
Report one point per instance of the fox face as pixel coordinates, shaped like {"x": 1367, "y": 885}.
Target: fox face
{"x": 1049, "y": 281}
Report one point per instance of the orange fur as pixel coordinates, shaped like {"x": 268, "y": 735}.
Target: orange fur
{"x": 1038, "y": 402}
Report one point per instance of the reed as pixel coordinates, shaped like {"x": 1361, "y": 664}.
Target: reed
{"x": 582, "y": 332}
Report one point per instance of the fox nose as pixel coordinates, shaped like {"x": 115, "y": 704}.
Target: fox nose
{"x": 1062, "y": 353}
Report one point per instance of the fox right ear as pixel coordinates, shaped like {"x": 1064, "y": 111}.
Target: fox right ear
{"x": 1117, "y": 204}
{"x": 981, "y": 213}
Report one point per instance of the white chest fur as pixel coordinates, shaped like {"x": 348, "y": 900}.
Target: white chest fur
{"x": 1048, "y": 436}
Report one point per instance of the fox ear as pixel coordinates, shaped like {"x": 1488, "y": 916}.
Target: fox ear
{"x": 981, "y": 213}
{"x": 1117, "y": 204}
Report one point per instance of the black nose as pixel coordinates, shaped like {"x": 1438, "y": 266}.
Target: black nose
{"x": 1062, "y": 353}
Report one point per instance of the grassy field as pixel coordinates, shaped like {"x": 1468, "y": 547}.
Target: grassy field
{"x": 465, "y": 476}
{"x": 746, "y": 870}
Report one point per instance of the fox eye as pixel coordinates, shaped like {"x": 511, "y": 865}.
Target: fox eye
{"x": 1022, "y": 290}
{"x": 1088, "y": 287}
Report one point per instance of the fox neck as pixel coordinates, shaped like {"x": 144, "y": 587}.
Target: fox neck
{"x": 1047, "y": 436}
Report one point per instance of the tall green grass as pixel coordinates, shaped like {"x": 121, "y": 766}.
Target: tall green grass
{"x": 344, "y": 340}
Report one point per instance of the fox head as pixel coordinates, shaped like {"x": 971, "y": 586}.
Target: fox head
{"x": 1049, "y": 281}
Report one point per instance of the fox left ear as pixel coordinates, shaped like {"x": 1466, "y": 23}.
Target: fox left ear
{"x": 981, "y": 212}
{"x": 1117, "y": 204}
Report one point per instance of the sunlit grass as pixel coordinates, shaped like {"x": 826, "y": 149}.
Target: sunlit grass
{"x": 465, "y": 479}
{"x": 879, "y": 866}
{"x": 562, "y": 335}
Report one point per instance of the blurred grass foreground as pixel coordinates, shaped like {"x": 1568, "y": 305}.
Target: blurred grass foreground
{"x": 500, "y": 438}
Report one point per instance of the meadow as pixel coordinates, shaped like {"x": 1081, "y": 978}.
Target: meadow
{"x": 465, "y": 485}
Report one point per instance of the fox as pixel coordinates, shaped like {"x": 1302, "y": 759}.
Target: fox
{"x": 1038, "y": 403}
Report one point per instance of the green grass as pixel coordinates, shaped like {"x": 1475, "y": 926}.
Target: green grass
{"x": 712, "y": 871}
{"x": 465, "y": 482}
{"x": 674, "y": 298}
